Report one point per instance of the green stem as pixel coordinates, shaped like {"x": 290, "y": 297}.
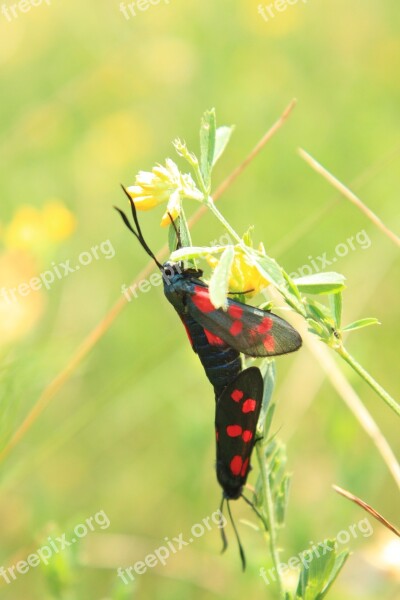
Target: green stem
{"x": 269, "y": 511}
{"x": 209, "y": 202}
{"x": 341, "y": 350}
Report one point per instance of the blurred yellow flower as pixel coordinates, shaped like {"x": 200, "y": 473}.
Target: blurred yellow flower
{"x": 163, "y": 184}
{"x": 59, "y": 223}
{"x": 244, "y": 275}
{"x": 31, "y": 228}
{"x": 25, "y": 230}
{"x": 19, "y": 313}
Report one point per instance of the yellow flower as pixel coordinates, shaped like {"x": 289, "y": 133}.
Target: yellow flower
{"x": 163, "y": 184}
{"x": 21, "y": 306}
{"x": 58, "y": 221}
{"x": 244, "y": 275}
{"x": 33, "y": 228}
{"x": 25, "y": 230}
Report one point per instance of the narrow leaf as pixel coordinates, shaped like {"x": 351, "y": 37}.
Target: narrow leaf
{"x": 336, "y": 304}
{"x": 321, "y": 283}
{"x": 361, "y": 323}
{"x": 172, "y": 239}
{"x": 184, "y": 229}
{"x": 207, "y": 144}
{"x": 184, "y": 234}
{"x": 337, "y": 567}
{"x": 315, "y": 327}
{"x": 317, "y": 310}
{"x": 219, "y": 282}
{"x": 222, "y": 137}
{"x": 281, "y": 500}
{"x": 267, "y": 409}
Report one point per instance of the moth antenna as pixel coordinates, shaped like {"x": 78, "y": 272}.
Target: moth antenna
{"x": 138, "y": 234}
{"x": 133, "y": 209}
{"x": 223, "y": 534}
{"x": 135, "y": 218}
{"x": 126, "y": 221}
{"x": 241, "y": 551}
{"x": 177, "y": 232}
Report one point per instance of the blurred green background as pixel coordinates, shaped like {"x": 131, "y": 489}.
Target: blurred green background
{"x": 89, "y": 97}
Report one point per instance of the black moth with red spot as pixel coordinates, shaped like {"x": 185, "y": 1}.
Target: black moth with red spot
{"x": 236, "y": 416}
{"x": 218, "y": 336}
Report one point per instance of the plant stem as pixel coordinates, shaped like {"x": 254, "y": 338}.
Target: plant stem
{"x": 341, "y": 350}
{"x": 209, "y": 202}
{"x": 269, "y": 510}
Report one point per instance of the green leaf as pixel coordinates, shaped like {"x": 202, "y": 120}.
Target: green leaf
{"x": 292, "y": 287}
{"x": 219, "y": 282}
{"x": 268, "y": 268}
{"x": 317, "y": 310}
{"x": 340, "y": 560}
{"x": 321, "y": 283}
{"x": 195, "y": 252}
{"x": 361, "y": 323}
{"x": 276, "y": 457}
{"x": 222, "y": 137}
{"x": 184, "y": 229}
{"x": 207, "y": 145}
{"x": 267, "y": 408}
{"x": 266, "y": 305}
{"x": 336, "y": 302}
{"x": 184, "y": 234}
{"x": 172, "y": 239}
{"x": 246, "y": 237}
{"x": 316, "y": 327}
{"x": 320, "y": 569}
{"x": 282, "y": 498}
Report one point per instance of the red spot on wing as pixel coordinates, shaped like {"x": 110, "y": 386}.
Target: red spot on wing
{"x": 214, "y": 340}
{"x": 201, "y": 299}
{"x": 235, "y": 311}
{"x": 236, "y": 328}
{"x": 247, "y": 435}
{"x": 234, "y": 430}
{"x": 217, "y": 435}
{"x": 249, "y": 405}
{"x": 264, "y": 326}
{"x": 269, "y": 343}
{"x": 236, "y": 464}
{"x": 237, "y": 395}
{"x": 244, "y": 468}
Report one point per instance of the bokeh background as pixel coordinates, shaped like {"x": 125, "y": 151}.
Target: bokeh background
{"x": 88, "y": 98}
